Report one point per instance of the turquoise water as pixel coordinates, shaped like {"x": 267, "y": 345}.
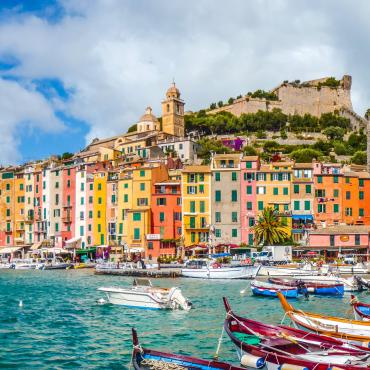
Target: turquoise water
{"x": 60, "y": 325}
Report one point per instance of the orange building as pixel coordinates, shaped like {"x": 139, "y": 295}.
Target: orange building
{"x": 351, "y": 196}
{"x": 364, "y": 199}
{"x": 166, "y": 219}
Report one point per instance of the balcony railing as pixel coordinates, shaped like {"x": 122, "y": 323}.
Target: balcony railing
{"x": 197, "y": 225}
{"x": 67, "y": 219}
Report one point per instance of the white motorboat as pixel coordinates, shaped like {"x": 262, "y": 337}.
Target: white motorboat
{"x": 288, "y": 270}
{"x": 5, "y": 265}
{"x": 24, "y": 264}
{"x": 206, "y": 269}
{"x": 358, "y": 268}
{"x": 143, "y": 295}
{"x": 350, "y": 283}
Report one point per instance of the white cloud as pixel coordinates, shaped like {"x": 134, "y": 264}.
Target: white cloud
{"x": 22, "y": 109}
{"x": 120, "y": 57}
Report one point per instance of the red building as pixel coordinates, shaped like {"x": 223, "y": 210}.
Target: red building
{"x": 38, "y": 224}
{"x": 166, "y": 219}
{"x": 68, "y": 203}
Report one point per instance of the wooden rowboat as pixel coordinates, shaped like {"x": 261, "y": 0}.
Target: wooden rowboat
{"x": 289, "y": 348}
{"x": 361, "y": 310}
{"x": 145, "y": 359}
{"x": 270, "y": 290}
{"x": 313, "y": 287}
{"x": 353, "y": 331}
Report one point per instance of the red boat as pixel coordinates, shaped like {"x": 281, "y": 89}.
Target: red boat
{"x": 288, "y": 348}
{"x": 145, "y": 359}
{"x": 360, "y": 310}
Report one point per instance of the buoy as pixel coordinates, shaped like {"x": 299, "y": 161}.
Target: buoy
{"x": 291, "y": 367}
{"x": 20, "y": 303}
{"x": 242, "y": 291}
{"x": 101, "y": 301}
{"x": 256, "y": 362}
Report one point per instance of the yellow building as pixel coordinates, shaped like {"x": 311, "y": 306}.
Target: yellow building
{"x": 195, "y": 190}
{"x": 7, "y": 207}
{"x": 100, "y": 208}
{"x": 273, "y": 189}
{"x": 29, "y": 182}
{"x": 173, "y": 121}
{"x": 19, "y": 214}
{"x": 135, "y": 187}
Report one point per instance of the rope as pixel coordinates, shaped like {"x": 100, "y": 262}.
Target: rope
{"x": 161, "y": 365}
{"x": 219, "y": 343}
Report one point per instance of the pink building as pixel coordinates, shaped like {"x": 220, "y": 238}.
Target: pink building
{"x": 249, "y": 166}
{"x": 89, "y": 206}
{"x": 68, "y": 203}
{"x": 339, "y": 239}
{"x": 39, "y": 231}
{"x": 112, "y": 207}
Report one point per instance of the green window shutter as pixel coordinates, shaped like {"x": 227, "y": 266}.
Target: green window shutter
{"x": 285, "y": 191}
{"x": 249, "y": 189}
{"x": 319, "y": 179}
{"x": 99, "y": 228}
{"x": 161, "y": 216}
{"x": 90, "y": 214}
{"x": 136, "y": 216}
{"x": 202, "y": 206}
{"x": 361, "y": 182}
{"x": 233, "y": 176}
{"x": 136, "y": 233}
{"x": 307, "y": 205}
{"x": 347, "y": 180}
{"x": 201, "y": 189}
{"x": 218, "y": 233}
{"x": 113, "y": 198}
{"x": 336, "y": 193}
{"x": 234, "y": 233}
{"x": 192, "y": 235}
{"x": 248, "y": 165}
{"x": 308, "y": 189}
{"x": 218, "y": 216}
{"x": 280, "y": 176}
{"x": 361, "y": 212}
{"x": 91, "y": 186}
{"x": 249, "y": 206}
{"x": 56, "y": 227}
{"x": 142, "y": 186}
{"x": 335, "y": 179}
{"x": 234, "y": 217}
{"x": 218, "y": 195}
{"x": 260, "y": 205}
{"x": 361, "y": 195}
{"x": 192, "y": 206}
{"x": 142, "y": 173}
{"x": 251, "y": 221}
{"x": 348, "y": 195}
{"x": 120, "y": 228}
{"x": 296, "y": 205}
{"x": 296, "y": 189}
{"x": 234, "y": 195}
{"x": 276, "y": 191}
{"x": 250, "y": 239}
{"x": 125, "y": 198}
{"x": 336, "y": 208}
{"x": 217, "y": 176}
{"x": 192, "y": 222}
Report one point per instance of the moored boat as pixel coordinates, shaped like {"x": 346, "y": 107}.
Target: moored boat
{"x": 350, "y": 283}
{"x": 353, "y": 331}
{"x": 145, "y": 359}
{"x": 205, "y": 269}
{"x": 313, "y": 287}
{"x": 270, "y": 290}
{"x": 282, "y": 347}
{"x": 358, "y": 268}
{"x": 361, "y": 310}
{"x": 288, "y": 270}
{"x": 143, "y": 295}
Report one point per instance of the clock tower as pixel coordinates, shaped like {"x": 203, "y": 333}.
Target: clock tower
{"x": 173, "y": 122}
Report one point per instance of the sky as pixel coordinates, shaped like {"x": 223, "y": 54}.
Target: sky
{"x": 72, "y": 70}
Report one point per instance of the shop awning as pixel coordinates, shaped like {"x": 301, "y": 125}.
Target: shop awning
{"x": 86, "y": 250}
{"x": 102, "y": 246}
{"x": 7, "y": 250}
{"x": 136, "y": 250}
{"x": 302, "y": 217}
{"x": 36, "y": 246}
{"x": 71, "y": 242}
{"x": 56, "y": 250}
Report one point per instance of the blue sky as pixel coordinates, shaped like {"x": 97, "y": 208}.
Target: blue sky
{"x": 72, "y": 70}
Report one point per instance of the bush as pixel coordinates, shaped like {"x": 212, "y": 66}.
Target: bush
{"x": 305, "y": 155}
{"x": 231, "y": 100}
{"x": 262, "y": 94}
{"x": 249, "y": 150}
{"x": 334, "y": 133}
{"x": 283, "y": 134}
{"x": 261, "y": 135}
{"x": 132, "y": 128}
{"x": 220, "y": 104}
{"x": 340, "y": 149}
{"x": 359, "y": 158}
{"x": 331, "y": 82}
{"x": 213, "y": 106}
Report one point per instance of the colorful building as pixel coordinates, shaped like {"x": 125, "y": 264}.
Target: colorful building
{"x": 100, "y": 208}
{"x": 68, "y": 203}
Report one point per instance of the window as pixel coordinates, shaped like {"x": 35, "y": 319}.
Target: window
{"x": 249, "y": 189}
{"x": 82, "y": 200}
{"x": 113, "y": 199}
{"x": 319, "y": 179}
{"x": 261, "y": 189}
{"x": 91, "y": 186}
{"x": 361, "y": 182}
{"x": 361, "y": 195}
{"x": 321, "y": 208}
{"x": 125, "y": 198}
{"x": 234, "y": 233}
{"x": 90, "y": 214}
{"x": 142, "y": 186}
{"x": 136, "y": 216}
{"x": 348, "y": 195}
{"x": 217, "y": 176}
{"x": 20, "y": 186}
{"x": 285, "y": 191}
{"x": 142, "y": 173}
{"x": 361, "y": 212}
{"x": 261, "y": 177}
{"x": 332, "y": 240}
{"x": 218, "y": 216}
{"x": 260, "y": 205}
{"x": 249, "y": 206}
{"x": 218, "y": 233}
{"x": 201, "y": 177}
{"x": 8, "y": 212}
{"x": 192, "y": 206}
{"x": 357, "y": 239}
{"x": 202, "y": 206}
{"x": 136, "y": 233}
{"x": 142, "y": 202}
{"x": 161, "y": 216}
{"x": 307, "y": 205}
{"x": 308, "y": 189}
{"x": 161, "y": 201}
{"x": 99, "y": 228}
{"x": 192, "y": 222}
{"x": 201, "y": 189}
{"x": 234, "y": 216}
{"x": 335, "y": 179}
{"x": 192, "y": 237}
{"x": 347, "y": 180}
{"x": 250, "y": 239}
{"x": 335, "y": 193}
{"x": 99, "y": 200}
{"x": 99, "y": 186}
{"x": 234, "y": 195}
{"x": 191, "y": 189}
{"x": 233, "y": 176}
{"x": 348, "y": 211}
{"x": 125, "y": 185}
{"x": 296, "y": 189}
{"x": 56, "y": 227}
{"x": 99, "y": 214}
{"x": 7, "y": 187}
{"x": 248, "y": 176}
{"x": 218, "y": 195}
{"x": 296, "y": 205}
{"x": 81, "y": 231}
{"x": 251, "y": 221}
{"x": 275, "y": 191}
{"x": 320, "y": 193}
{"x": 248, "y": 165}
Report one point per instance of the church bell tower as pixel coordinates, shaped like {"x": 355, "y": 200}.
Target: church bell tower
{"x": 173, "y": 122}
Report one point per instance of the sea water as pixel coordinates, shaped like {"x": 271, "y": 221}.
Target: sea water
{"x": 60, "y": 325}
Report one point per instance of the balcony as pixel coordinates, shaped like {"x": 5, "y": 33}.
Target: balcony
{"x": 29, "y": 218}
{"x": 67, "y": 205}
{"x": 197, "y": 226}
{"x": 284, "y": 214}
{"x": 67, "y": 219}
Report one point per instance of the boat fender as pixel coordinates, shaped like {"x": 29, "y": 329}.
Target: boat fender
{"x": 365, "y": 344}
{"x": 249, "y": 360}
{"x": 291, "y": 367}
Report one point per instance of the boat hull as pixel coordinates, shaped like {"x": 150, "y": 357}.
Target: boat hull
{"x": 281, "y": 271}
{"x": 350, "y": 284}
{"x": 237, "y": 272}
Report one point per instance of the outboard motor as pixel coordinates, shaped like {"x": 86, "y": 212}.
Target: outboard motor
{"x": 302, "y": 289}
{"x": 178, "y": 300}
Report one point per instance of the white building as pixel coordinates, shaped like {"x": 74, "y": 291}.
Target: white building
{"x": 185, "y": 148}
{"x": 80, "y": 210}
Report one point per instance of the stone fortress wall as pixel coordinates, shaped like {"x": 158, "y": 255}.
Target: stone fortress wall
{"x": 302, "y": 98}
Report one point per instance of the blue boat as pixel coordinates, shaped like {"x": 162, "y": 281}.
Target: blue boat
{"x": 270, "y": 290}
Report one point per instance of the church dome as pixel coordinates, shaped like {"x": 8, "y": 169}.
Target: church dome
{"x": 173, "y": 91}
{"x": 148, "y": 116}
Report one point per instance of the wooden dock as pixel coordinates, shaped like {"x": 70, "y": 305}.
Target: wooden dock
{"x": 151, "y": 273}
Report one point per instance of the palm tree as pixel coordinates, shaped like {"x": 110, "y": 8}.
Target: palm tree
{"x": 269, "y": 230}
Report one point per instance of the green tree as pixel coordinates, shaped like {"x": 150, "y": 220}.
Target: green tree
{"x": 262, "y": 94}
{"x": 220, "y": 103}
{"x": 367, "y": 114}
{"x": 357, "y": 141}
{"x": 305, "y": 155}
{"x": 231, "y": 100}
{"x": 249, "y": 150}
{"x": 207, "y": 146}
{"x": 213, "y": 106}
{"x": 330, "y": 82}
{"x": 331, "y": 119}
{"x": 340, "y": 148}
{"x": 359, "y": 158}
{"x": 334, "y": 133}
{"x": 132, "y": 128}
{"x": 269, "y": 230}
{"x": 66, "y": 155}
